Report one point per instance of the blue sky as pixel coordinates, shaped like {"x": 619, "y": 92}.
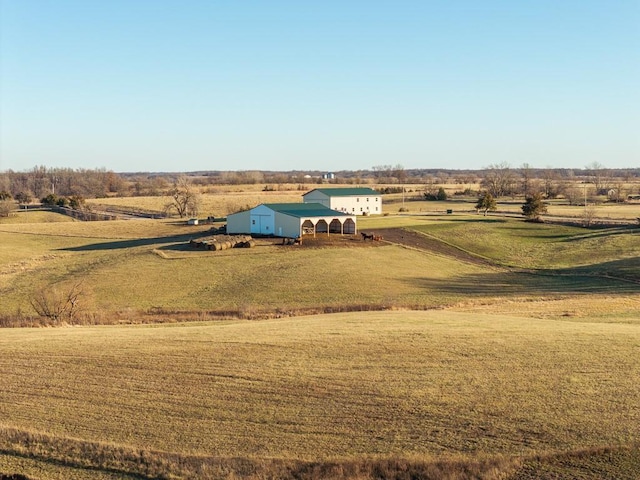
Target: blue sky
{"x": 163, "y": 85}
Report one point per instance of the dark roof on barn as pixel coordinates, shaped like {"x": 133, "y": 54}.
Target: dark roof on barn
{"x": 305, "y": 210}
{"x": 345, "y": 192}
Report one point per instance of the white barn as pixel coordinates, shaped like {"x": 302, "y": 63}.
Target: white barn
{"x": 356, "y": 201}
{"x": 290, "y": 220}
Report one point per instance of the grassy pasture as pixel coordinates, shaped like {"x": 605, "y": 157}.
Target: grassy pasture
{"x": 528, "y": 245}
{"x": 137, "y": 266}
{"x": 34, "y": 216}
{"x": 212, "y": 204}
{"x": 614, "y": 211}
{"x": 422, "y": 386}
{"x": 223, "y": 204}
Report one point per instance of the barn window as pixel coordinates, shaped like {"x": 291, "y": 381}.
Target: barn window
{"x": 253, "y": 222}
{"x": 357, "y": 199}
{"x": 367, "y": 199}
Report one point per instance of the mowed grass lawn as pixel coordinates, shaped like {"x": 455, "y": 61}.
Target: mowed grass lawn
{"x": 416, "y": 385}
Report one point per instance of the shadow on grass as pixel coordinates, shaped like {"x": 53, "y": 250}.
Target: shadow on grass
{"x": 620, "y": 276}
{"x": 606, "y": 232}
{"x": 480, "y": 219}
{"x": 139, "y": 242}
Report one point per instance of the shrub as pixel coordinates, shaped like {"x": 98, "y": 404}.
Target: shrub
{"x": 23, "y": 197}
{"x": 51, "y": 199}
{"x": 58, "y": 306}
{"x": 6, "y": 207}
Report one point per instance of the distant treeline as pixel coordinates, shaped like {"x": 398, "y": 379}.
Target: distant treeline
{"x": 40, "y": 181}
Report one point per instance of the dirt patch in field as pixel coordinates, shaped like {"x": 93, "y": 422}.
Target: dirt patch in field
{"x": 397, "y": 236}
{"x": 419, "y": 241}
{"x": 322, "y": 240}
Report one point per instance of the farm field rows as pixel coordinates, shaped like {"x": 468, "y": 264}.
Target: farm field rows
{"x": 329, "y": 388}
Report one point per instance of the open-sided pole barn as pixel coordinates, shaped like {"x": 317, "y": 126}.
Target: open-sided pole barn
{"x": 291, "y": 220}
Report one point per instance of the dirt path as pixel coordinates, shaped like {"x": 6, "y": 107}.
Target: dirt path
{"x": 409, "y": 238}
{"x": 397, "y": 236}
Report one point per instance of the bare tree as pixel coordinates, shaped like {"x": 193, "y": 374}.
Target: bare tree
{"x": 525, "y": 172}
{"x": 573, "y": 194}
{"x": 589, "y": 215}
{"x": 550, "y": 183}
{"x": 185, "y": 200}
{"x": 58, "y": 306}
{"x": 599, "y": 176}
{"x": 499, "y": 180}
{"x": 618, "y": 192}
{"x": 399, "y": 173}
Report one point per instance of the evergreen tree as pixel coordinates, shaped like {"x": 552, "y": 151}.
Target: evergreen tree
{"x": 534, "y": 207}
{"x": 486, "y": 202}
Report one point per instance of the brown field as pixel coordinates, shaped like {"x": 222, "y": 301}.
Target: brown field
{"x": 358, "y": 388}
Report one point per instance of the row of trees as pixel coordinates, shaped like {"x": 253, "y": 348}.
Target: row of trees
{"x": 533, "y": 208}
{"x": 501, "y": 180}
{"x": 41, "y": 181}
{"x": 498, "y": 179}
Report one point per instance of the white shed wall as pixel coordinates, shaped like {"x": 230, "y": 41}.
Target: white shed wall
{"x": 262, "y": 220}
{"x": 287, "y": 226}
{"x": 239, "y": 222}
{"x": 357, "y": 205}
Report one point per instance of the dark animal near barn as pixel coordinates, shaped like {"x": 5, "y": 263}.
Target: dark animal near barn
{"x": 370, "y": 236}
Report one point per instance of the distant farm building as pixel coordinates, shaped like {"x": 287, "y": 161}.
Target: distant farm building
{"x": 356, "y": 201}
{"x": 290, "y": 220}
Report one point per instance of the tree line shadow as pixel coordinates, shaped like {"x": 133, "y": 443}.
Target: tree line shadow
{"x": 599, "y": 233}
{"x": 138, "y": 242}
{"x": 614, "y": 277}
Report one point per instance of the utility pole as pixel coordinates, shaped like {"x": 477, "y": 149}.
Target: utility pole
{"x": 585, "y": 198}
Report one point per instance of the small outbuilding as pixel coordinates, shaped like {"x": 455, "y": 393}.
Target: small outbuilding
{"x": 356, "y": 201}
{"x": 291, "y": 220}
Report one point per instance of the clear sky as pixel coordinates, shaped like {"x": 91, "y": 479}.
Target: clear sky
{"x": 184, "y": 85}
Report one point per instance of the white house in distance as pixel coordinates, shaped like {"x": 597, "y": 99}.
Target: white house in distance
{"x": 356, "y": 201}
{"x": 291, "y": 220}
